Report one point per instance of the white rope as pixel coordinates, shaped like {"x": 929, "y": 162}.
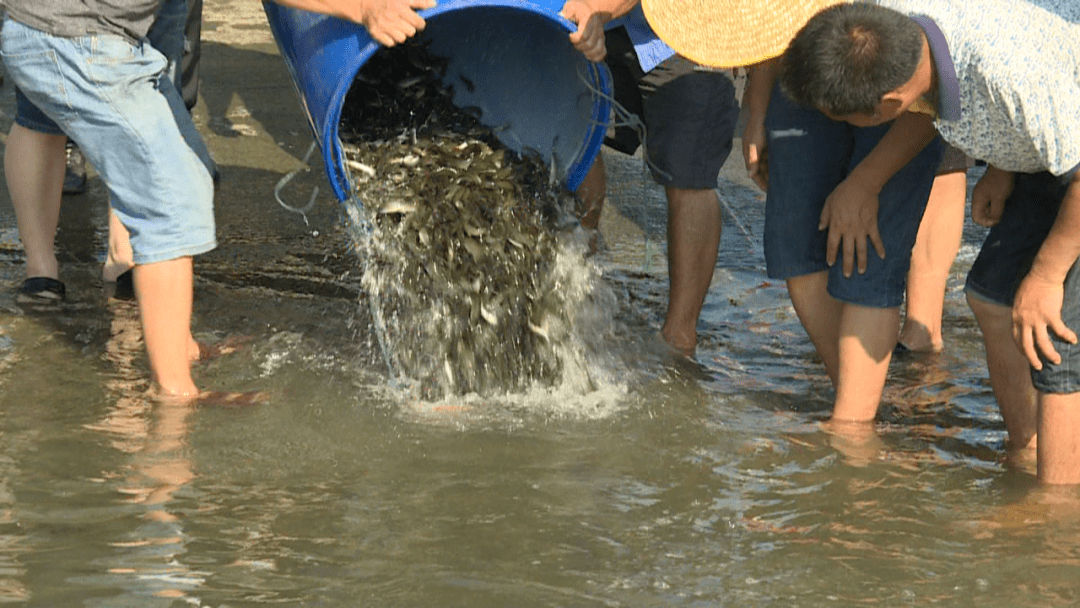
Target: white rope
{"x": 288, "y": 178}
{"x": 624, "y": 117}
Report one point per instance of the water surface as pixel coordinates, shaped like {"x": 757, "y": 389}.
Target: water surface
{"x": 665, "y": 486}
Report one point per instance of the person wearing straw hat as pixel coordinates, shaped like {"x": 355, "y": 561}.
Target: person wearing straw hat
{"x": 815, "y": 169}
{"x": 689, "y": 115}
{"x": 753, "y": 32}
{"x": 1011, "y": 96}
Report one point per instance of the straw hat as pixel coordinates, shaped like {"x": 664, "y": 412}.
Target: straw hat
{"x": 730, "y": 33}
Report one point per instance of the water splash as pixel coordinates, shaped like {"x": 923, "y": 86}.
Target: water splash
{"x": 475, "y": 281}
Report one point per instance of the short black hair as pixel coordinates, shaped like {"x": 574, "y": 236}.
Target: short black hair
{"x": 847, "y": 57}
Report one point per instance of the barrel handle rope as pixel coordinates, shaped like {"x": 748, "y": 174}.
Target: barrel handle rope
{"x": 288, "y": 178}
{"x": 360, "y": 218}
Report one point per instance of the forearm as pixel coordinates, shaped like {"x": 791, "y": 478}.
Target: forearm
{"x": 909, "y": 134}
{"x": 759, "y": 86}
{"x": 614, "y": 8}
{"x": 345, "y": 9}
{"x": 1061, "y": 248}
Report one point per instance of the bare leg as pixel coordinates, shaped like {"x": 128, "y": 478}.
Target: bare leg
{"x": 1010, "y": 374}
{"x": 591, "y": 193}
{"x": 820, "y": 316}
{"x": 1059, "y": 438}
{"x": 119, "y": 258}
{"x": 693, "y": 242}
{"x": 867, "y": 339}
{"x": 857, "y": 441}
{"x": 34, "y": 165}
{"x": 931, "y": 259}
{"x": 164, "y": 291}
{"x": 854, "y": 342}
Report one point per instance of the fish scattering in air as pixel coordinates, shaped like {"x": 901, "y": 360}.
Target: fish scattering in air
{"x": 459, "y": 234}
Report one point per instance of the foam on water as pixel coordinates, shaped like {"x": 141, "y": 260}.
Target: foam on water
{"x": 473, "y": 265}
{"x": 584, "y": 379}
{"x": 593, "y": 382}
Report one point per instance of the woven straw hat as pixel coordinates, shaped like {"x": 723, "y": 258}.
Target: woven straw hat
{"x": 730, "y": 33}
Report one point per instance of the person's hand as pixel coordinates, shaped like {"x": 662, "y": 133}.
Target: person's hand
{"x": 392, "y": 22}
{"x": 989, "y": 195}
{"x": 756, "y": 153}
{"x": 589, "y": 37}
{"x": 1036, "y": 312}
{"x": 850, "y": 215}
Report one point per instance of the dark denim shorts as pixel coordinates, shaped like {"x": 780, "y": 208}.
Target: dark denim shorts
{"x": 809, "y": 155}
{"x": 1006, "y": 257}
{"x": 689, "y": 115}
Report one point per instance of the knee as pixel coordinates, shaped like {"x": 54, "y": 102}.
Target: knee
{"x": 685, "y": 198}
{"x": 991, "y": 316}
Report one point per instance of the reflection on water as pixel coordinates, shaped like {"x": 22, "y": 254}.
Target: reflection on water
{"x": 710, "y": 486}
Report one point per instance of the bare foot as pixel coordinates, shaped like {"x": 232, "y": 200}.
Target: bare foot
{"x": 174, "y": 395}
{"x": 858, "y": 442}
{"x": 919, "y": 340}
{"x": 204, "y": 352}
{"x": 228, "y": 399}
{"x": 1023, "y": 459}
{"x": 119, "y": 258}
{"x": 680, "y": 345}
{"x": 211, "y": 398}
{"x": 113, "y": 269}
{"x": 194, "y": 349}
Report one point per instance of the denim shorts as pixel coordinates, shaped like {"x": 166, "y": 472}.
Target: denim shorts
{"x": 809, "y": 155}
{"x": 1006, "y": 257}
{"x": 689, "y": 115}
{"x": 113, "y": 98}
{"x": 166, "y": 35}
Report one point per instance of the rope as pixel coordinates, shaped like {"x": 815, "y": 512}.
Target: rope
{"x": 361, "y": 220}
{"x": 624, "y": 118}
{"x": 288, "y": 178}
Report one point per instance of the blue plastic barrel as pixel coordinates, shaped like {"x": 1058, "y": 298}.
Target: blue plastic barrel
{"x": 528, "y": 82}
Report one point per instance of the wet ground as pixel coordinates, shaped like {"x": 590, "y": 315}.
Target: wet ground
{"x": 663, "y": 487}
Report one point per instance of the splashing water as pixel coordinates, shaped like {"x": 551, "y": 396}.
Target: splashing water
{"x": 473, "y": 261}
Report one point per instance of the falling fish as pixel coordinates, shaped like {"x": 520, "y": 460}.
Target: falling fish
{"x": 435, "y": 185}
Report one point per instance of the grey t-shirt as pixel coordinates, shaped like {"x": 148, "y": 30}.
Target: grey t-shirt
{"x": 71, "y": 18}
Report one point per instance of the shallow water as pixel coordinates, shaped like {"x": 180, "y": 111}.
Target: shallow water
{"x": 666, "y": 486}
{"x": 669, "y": 486}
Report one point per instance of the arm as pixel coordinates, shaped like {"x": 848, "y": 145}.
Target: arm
{"x": 850, "y": 212}
{"x": 591, "y": 16}
{"x": 389, "y": 22}
{"x": 989, "y": 195}
{"x": 759, "y": 88}
{"x": 1038, "y": 301}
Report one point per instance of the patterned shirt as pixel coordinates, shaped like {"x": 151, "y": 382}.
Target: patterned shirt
{"x": 1013, "y": 69}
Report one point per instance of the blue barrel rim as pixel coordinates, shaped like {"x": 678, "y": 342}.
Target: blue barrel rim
{"x": 328, "y": 135}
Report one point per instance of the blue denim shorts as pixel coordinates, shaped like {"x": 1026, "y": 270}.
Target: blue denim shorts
{"x": 809, "y": 155}
{"x": 166, "y": 35}
{"x": 1006, "y": 257}
{"x": 111, "y": 96}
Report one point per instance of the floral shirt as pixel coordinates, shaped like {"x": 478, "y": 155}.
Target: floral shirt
{"x": 1009, "y": 77}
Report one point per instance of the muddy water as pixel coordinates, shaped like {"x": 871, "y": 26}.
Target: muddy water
{"x": 667, "y": 487}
